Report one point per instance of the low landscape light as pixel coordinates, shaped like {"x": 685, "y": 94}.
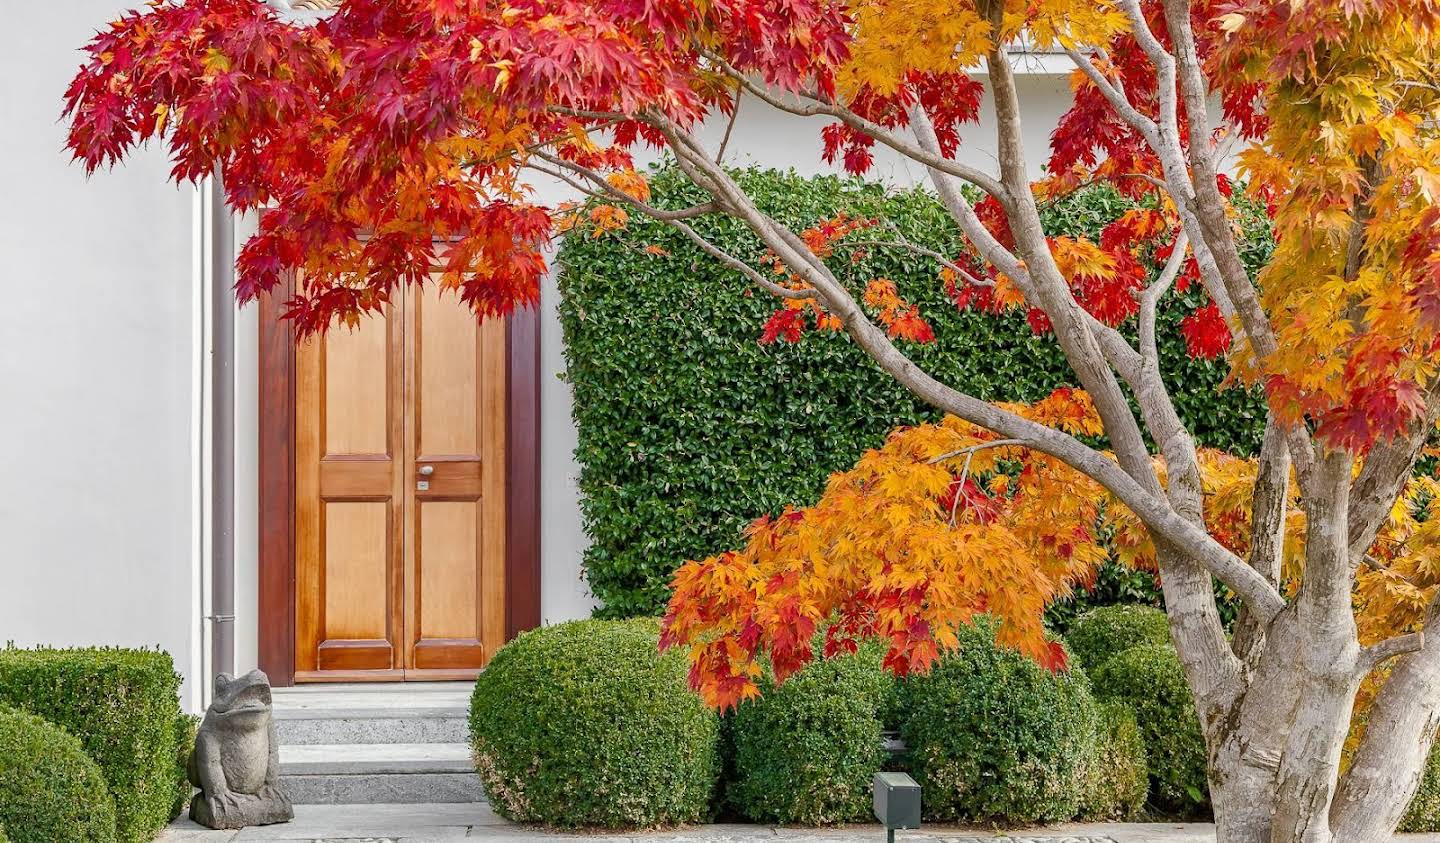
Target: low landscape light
{"x": 897, "y": 802}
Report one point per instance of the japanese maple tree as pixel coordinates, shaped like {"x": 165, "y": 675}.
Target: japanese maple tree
{"x": 395, "y": 136}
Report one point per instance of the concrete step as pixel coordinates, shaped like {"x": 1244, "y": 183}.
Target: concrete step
{"x": 351, "y": 773}
{"x": 409, "y": 713}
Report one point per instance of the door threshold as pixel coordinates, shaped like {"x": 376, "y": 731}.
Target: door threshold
{"x": 321, "y": 677}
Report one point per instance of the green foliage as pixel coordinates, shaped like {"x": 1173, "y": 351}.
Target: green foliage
{"x": 1424, "y": 811}
{"x": 994, "y": 737}
{"x": 1116, "y": 777}
{"x": 124, "y": 706}
{"x": 1099, "y": 634}
{"x": 185, "y": 726}
{"x": 586, "y": 724}
{"x": 50, "y": 790}
{"x": 689, "y": 429}
{"x": 806, "y": 752}
{"x": 1150, "y": 680}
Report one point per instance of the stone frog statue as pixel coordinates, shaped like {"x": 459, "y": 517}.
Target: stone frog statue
{"x": 236, "y": 762}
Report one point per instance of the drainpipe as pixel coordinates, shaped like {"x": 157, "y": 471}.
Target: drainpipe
{"x": 222, "y": 421}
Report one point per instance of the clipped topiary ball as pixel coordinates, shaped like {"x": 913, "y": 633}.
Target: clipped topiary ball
{"x": 1116, "y": 775}
{"x": 1101, "y": 633}
{"x": 806, "y": 752}
{"x": 588, "y": 724}
{"x": 1150, "y": 680}
{"x": 50, "y": 790}
{"x": 993, "y": 736}
{"x": 1424, "y": 811}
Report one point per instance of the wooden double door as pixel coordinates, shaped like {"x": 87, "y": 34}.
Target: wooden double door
{"x": 400, "y": 436}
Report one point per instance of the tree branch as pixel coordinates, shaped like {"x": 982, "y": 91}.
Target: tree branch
{"x": 1153, "y": 510}
{"x": 1150, "y": 300}
{"x": 1376, "y": 655}
{"x": 815, "y": 106}
{"x": 919, "y": 250}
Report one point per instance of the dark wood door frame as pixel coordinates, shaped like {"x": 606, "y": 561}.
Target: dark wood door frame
{"x": 277, "y": 482}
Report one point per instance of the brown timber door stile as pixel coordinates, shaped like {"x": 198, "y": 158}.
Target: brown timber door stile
{"x": 400, "y": 494}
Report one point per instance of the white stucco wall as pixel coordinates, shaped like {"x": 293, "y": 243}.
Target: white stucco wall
{"x": 97, "y": 542}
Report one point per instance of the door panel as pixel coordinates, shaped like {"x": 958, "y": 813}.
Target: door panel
{"x": 349, "y": 490}
{"x": 400, "y": 494}
{"x": 455, "y": 551}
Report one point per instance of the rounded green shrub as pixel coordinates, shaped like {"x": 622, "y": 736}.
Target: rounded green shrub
{"x": 50, "y": 790}
{"x": 1101, "y": 633}
{"x": 1116, "y": 776}
{"x": 1150, "y": 681}
{"x": 1423, "y": 815}
{"x": 124, "y": 706}
{"x": 994, "y": 737}
{"x": 806, "y": 751}
{"x": 588, "y": 724}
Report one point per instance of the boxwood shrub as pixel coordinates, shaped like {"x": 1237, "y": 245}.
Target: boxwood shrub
{"x": 50, "y": 790}
{"x": 124, "y": 706}
{"x": 806, "y": 751}
{"x": 586, "y": 724}
{"x": 676, "y": 457}
{"x": 1103, "y": 632}
{"x": 1150, "y": 681}
{"x": 1116, "y": 776}
{"x": 992, "y": 736}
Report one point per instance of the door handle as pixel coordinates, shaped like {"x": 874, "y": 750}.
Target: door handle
{"x": 427, "y": 470}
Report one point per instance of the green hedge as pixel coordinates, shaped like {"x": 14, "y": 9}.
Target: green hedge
{"x": 124, "y": 707}
{"x": 806, "y": 752}
{"x": 587, "y": 724}
{"x": 991, "y": 736}
{"x": 1423, "y": 815}
{"x": 1150, "y": 680}
{"x": 50, "y": 790}
{"x": 1102, "y": 633}
{"x": 689, "y": 428}
{"x": 1116, "y": 777}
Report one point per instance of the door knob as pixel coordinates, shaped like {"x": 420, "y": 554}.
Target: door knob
{"x": 427, "y": 470}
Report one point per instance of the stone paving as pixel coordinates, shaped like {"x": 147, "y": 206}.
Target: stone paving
{"x": 427, "y": 823}
{"x": 424, "y": 823}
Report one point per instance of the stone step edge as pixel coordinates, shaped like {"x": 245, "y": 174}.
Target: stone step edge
{"x": 367, "y": 713}
{"x": 389, "y": 788}
{"x": 374, "y": 759}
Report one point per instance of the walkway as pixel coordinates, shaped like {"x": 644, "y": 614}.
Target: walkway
{"x": 425, "y": 823}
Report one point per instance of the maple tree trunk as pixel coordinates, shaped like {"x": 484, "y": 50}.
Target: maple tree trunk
{"x": 1276, "y": 742}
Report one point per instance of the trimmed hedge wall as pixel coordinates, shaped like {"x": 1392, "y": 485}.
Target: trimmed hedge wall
{"x": 585, "y": 724}
{"x": 124, "y": 706}
{"x": 50, "y": 790}
{"x": 991, "y": 736}
{"x": 806, "y": 752}
{"x": 689, "y": 428}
